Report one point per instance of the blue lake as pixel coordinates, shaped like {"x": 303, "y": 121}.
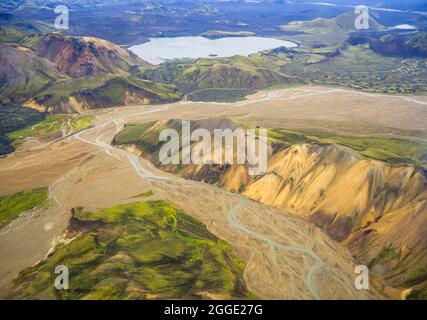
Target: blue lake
{"x": 159, "y": 50}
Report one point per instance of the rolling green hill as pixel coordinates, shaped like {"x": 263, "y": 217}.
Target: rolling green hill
{"x": 51, "y": 128}
{"x": 240, "y": 73}
{"x": 77, "y": 95}
{"x": 13, "y": 118}
{"x": 13, "y": 205}
{"x": 146, "y": 250}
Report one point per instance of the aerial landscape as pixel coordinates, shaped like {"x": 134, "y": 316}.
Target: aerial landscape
{"x": 213, "y": 150}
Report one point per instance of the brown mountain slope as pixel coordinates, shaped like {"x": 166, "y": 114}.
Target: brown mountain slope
{"x": 144, "y": 141}
{"x": 83, "y": 56}
{"x": 378, "y": 211}
{"x": 367, "y": 204}
{"x": 230, "y": 73}
{"x": 62, "y": 74}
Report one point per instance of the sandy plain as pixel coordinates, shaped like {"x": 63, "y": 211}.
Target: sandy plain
{"x": 286, "y": 257}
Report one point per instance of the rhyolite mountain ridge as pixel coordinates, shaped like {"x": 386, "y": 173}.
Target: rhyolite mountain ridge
{"x": 83, "y": 56}
{"x": 376, "y": 209}
{"x": 65, "y": 74}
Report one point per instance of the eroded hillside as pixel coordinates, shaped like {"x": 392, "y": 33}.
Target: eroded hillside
{"x": 83, "y": 56}
{"x": 64, "y": 74}
{"x": 377, "y": 209}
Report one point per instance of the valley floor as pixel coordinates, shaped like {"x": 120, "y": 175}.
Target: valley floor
{"x": 286, "y": 257}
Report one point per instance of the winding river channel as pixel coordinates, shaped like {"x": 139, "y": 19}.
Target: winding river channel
{"x": 233, "y": 220}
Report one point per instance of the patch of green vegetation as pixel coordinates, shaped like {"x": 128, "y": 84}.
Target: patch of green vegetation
{"x": 392, "y": 151}
{"x": 52, "y": 124}
{"x": 146, "y": 250}
{"x": 10, "y": 35}
{"x": 248, "y": 73}
{"x": 13, "y": 118}
{"x": 287, "y": 137}
{"x": 416, "y": 277}
{"x": 386, "y": 255}
{"x": 11, "y": 206}
{"x": 418, "y": 294}
{"x": 81, "y": 123}
{"x": 106, "y": 91}
{"x": 132, "y": 133}
{"x": 146, "y": 194}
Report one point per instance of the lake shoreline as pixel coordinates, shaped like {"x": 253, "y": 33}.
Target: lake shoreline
{"x": 159, "y": 50}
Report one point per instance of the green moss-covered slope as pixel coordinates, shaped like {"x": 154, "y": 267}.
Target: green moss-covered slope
{"x": 11, "y": 206}
{"x": 146, "y": 250}
{"x": 51, "y": 127}
{"x": 13, "y": 118}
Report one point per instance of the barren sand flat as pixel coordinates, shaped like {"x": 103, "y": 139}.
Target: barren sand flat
{"x": 337, "y": 110}
{"x": 286, "y": 257}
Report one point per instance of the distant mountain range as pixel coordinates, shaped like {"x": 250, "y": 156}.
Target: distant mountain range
{"x": 85, "y": 56}
{"x": 389, "y": 4}
{"x": 413, "y": 4}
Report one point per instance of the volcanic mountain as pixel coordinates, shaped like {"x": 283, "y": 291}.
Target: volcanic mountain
{"x": 64, "y": 74}
{"x": 83, "y": 56}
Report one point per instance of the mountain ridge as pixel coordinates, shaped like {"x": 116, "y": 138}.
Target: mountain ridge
{"x": 362, "y": 203}
{"x": 63, "y": 74}
{"x": 83, "y": 56}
